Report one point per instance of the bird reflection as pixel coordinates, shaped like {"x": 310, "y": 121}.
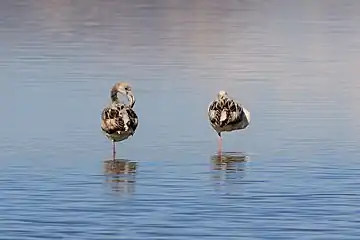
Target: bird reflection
{"x": 120, "y": 175}
{"x": 229, "y": 167}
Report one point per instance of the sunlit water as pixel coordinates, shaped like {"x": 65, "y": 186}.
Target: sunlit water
{"x": 293, "y": 174}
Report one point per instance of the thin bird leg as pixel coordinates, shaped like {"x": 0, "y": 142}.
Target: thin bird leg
{"x": 219, "y": 144}
{"x": 114, "y": 152}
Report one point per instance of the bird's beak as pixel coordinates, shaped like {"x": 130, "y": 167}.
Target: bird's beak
{"x": 131, "y": 98}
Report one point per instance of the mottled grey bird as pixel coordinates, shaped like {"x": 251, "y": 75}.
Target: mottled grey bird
{"x": 226, "y": 115}
{"x": 118, "y": 120}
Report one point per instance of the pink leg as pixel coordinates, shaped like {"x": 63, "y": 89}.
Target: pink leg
{"x": 114, "y": 152}
{"x": 219, "y": 144}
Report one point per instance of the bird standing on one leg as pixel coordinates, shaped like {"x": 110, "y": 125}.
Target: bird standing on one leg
{"x": 226, "y": 115}
{"x": 118, "y": 120}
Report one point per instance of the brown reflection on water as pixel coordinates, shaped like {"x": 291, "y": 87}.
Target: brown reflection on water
{"x": 229, "y": 167}
{"x": 121, "y": 175}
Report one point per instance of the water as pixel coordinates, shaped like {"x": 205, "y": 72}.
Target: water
{"x": 293, "y": 174}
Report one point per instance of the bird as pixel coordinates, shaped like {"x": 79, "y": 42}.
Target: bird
{"x": 227, "y": 115}
{"x": 118, "y": 120}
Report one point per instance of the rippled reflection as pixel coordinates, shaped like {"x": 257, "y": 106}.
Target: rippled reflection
{"x": 229, "y": 167}
{"x": 121, "y": 175}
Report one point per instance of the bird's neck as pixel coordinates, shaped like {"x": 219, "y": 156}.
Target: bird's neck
{"x": 115, "y": 99}
{"x": 113, "y": 95}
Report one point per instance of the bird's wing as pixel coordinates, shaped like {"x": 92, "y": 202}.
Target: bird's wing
{"x": 132, "y": 119}
{"x": 113, "y": 120}
{"x": 233, "y": 110}
{"x": 214, "y": 111}
{"x": 223, "y": 112}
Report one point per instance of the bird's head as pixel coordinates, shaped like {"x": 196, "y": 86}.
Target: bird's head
{"x": 124, "y": 89}
{"x": 222, "y": 94}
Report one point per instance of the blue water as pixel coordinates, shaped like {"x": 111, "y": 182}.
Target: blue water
{"x": 293, "y": 174}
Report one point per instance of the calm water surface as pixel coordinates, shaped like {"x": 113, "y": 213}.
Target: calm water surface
{"x": 293, "y": 174}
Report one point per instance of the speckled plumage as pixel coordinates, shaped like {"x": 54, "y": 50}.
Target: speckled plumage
{"x": 226, "y": 115}
{"x": 119, "y": 120}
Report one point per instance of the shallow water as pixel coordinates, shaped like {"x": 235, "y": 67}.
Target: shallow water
{"x": 292, "y": 174}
